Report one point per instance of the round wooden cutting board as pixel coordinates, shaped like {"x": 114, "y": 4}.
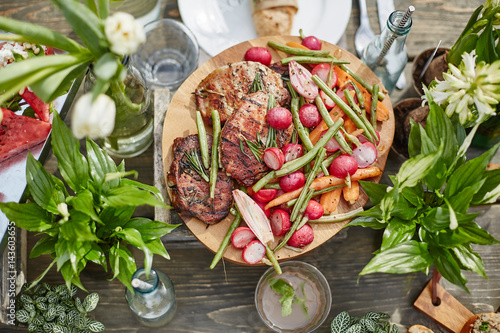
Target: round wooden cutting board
{"x": 180, "y": 122}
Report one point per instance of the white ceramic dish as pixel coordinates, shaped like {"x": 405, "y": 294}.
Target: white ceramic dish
{"x": 220, "y": 24}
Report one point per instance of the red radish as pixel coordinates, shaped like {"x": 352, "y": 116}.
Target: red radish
{"x": 241, "y": 236}
{"x": 259, "y": 54}
{"x": 332, "y": 145}
{"x": 323, "y": 70}
{"x": 312, "y": 43}
{"x": 280, "y": 222}
{"x": 302, "y": 236}
{"x": 309, "y": 115}
{"x": 279, "y": 118}
{"x": 49, "y": 50}
{"x": 329, "y": 103}
{"x": 365, "y": 154}
{"x": 340, "y": 92}
{"x": 253, "y": 252}
{"x": 314, "y": 210}
{"x": 292, "y": 181}
{"x": 273, "y": 157}
{"x": 292, "y": 151}
{"x": 343, "y": 165}
{"x": 262, "y": 206}
{"x": 301, "y": 80}
{"x": 265, "y": 194}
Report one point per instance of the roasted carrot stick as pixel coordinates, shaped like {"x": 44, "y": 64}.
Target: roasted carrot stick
{"x": 351, "y": 194}
{"x": 297, "y": 45}
{"x": 330, "y": 200}
{"x": 349, "y": 125}
{"x": 324, "y": 182}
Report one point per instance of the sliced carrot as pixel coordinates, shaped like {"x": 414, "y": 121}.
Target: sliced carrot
{"x": 324, "y": 182}
{"x": 349, "y": 125}
{"x": 343, "y": 77}
{"x": 351, "y": 194}
{"x": 297, "y": 45}
{"x": 330, "y": 200}
{"x": 357, "y": 132}
{"x": 335, "y": 113}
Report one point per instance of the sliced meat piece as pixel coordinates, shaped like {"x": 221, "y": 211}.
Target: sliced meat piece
{"x": 190, "y": 193}
{"x": 223, "y": 89}
{"x": 245, "y": 123}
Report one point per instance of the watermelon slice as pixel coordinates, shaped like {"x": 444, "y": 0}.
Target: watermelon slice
{"x": 18, "y": 133}
{"x": 41, "y": 108}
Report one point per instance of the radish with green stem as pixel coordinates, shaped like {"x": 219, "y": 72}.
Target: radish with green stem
{"x": 343, "y": 166}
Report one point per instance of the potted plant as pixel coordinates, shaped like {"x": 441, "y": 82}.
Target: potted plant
{"x": 87, "y": 216}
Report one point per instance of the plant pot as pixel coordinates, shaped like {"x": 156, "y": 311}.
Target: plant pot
{"x": 403, "y": 111}
{"x": 437, "y": 67}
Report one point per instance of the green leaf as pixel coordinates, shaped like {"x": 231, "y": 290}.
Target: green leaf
{"x": 486, "y": 43}
{"x": 100, "y": 164}
{"x": 77, "y": 228}
{"x": 22, "y": 316}
{"x": 440, "y": 130}
{"x": 96, "y": 255}
{"x": 415, "y": 169}
{"x": 107, "y": 66}
{"x": 83, "y": 202}
{"x": 396, "y": 232}
{"x": 90, "y": 302}
{"x": 356, "y": 328}
{"x": 287, "y": 293}
{"x": 46, "y": 245}
{"x": 461, "y": 201}
{"x": 41, "y": 185}
{"x": 72, "y": 164}
{"x": 156, "y": 246}
{"x": 367, "y": 222}
{"x": 375, "y": 191}
{"x": 467, "y": 232}
{"x": 96, "y": 326}
{"x": 465, "y": 44}
{"x": 414, "y": 140}
{"x": 123, "y": 264}
{"x": 469, "y": 259}
{"x": 406, "y": 257}
{"x": 490, "y": 191}
{"x": 127, "y": 195}
{"x": 28, "y": 216}
{"x": 133, "y": 237}
{"x": 154, "y": 190}
{"x": 369, "y": 324}
{"x": 448, "y": 267}
{"x": 148, "y": 229}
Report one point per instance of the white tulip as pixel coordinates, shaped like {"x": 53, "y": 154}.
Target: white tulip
{"x": 124, "y": 33}
{"x": 95, "y": 120}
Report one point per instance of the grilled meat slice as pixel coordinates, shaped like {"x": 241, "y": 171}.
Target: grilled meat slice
{"x": 223, "y": 89}
{"x": 190, "y": 193}
{"x": 246, "y": 122}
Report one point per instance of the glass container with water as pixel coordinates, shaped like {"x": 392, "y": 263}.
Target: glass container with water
{"x": 386, "y": 54}
{"x": 153, "y": 300}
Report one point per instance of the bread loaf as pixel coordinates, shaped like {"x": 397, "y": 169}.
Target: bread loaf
{"x": 273, "y": 17}
{"x": 419, "y": 329}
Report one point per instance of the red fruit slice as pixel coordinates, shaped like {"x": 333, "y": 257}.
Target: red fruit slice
{"x": 254, "y": 252}
{"x": 273, "y": 157}
{"x": 280, "y": 222}
{"x": 241, "y": 236}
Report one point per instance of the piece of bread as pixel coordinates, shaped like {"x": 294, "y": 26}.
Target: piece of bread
{"x": 473, "y": 324}
{"x": 273, "y": 17}
{"x": 419, "y": 329}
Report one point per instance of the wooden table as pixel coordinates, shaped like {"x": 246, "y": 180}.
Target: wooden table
{"x": 222, "y": 299}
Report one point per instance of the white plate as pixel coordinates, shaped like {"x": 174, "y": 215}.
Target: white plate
{"x": 220, "y": 24}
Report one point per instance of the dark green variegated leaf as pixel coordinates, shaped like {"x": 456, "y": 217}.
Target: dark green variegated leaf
{"x": 28, "y": 216}
{"x": 83, "y": 202}
{"x": 148, "y": 229}
{"x": 375, "y": 191}
{"x": 90, "y": 302}
{"x": 368, "y": 324}
{"x": 156, "y": 246}
{"x": 96, "y": 326}
{"x": 22, "y": 316}
{"x": 469, "y": 173}
{"x": 46, "y": 245}
{"x": 396, "y": 232}
{"x": 127, "y": 195}
{"x": 406, "y": 257}
{"x": 100, "y": 164}
{"x": 341, "y": 323}
{"x": 490, "y": 191}
{"x": 356, "y": 328}
{"x": 77, "y": 228}
{"x": 448, "y": 266}
{"x": 415, "y": 169}
{"x": 72, "y": 164}
{"x": 469, "y": 259}
{"x": 41, "y": 185}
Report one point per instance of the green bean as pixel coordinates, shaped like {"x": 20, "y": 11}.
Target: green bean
{"x": 297, "y": 51}
{"x": 263, "y": 181}
{"x": 225, "y": 242}
{"x": 323, "y": 111}
{"x": 338, "y": 217}
{"x": 350, "y": 113}
{"x": 215, "y": 152}
{"x": 319, "y": 192}
{"x": 365, "y": 84}
{"x": 317, "y": 163}
{"x": 359, "y": 94}
{"x": 272, "y": 258}
{"x": 374, "y": 106}
{"x": 362, "y": 117}
{"x": 345, "y": 147}
{"x": 274, "y": 186}
{"x": 313, "y": 60}
{"x": 298, "y": 163}
{"x": 294, "y": 109}
{"x": 351, "y": 138}
{"x": 352, "y": 103}
{"x": 202, "y": 136}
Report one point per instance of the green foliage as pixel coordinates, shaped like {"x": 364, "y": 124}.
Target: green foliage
{"x": 425, "y": 212}
{"x": 47, "y": 308}
{"x": 288, "y": 296}
{"x": 95, "y": 220}
{"x": 370, "y": 322}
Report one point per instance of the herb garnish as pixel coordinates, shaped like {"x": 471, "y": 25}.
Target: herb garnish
{"x": 288, "y": 296}
{"x": 271, "y": 135}
{"x": 369, "y": 322}
{"x": 257, "y": 83}
{"x": 484, "y": 326}
{"x": 255, "y": 147}
{"x": 195, "y": 163}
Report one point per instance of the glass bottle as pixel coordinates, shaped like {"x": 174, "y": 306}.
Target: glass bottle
{"x": 386, "y": 54}
{"x": 153, "y": 300}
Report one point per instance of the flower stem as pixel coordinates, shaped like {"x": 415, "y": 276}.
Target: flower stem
{"x": 122, "y": 100}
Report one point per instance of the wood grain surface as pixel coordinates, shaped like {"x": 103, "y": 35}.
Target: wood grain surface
{"x": 180, "y": 121}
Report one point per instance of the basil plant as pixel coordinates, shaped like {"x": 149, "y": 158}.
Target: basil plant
{"x": 424, "y": 213}
{"x": 88, "y": 214}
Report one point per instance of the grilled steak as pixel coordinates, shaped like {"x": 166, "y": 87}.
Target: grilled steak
{"x": 245, "y": 123}
{"x": 190, "y": 193}
{"x": 223, "y": 89}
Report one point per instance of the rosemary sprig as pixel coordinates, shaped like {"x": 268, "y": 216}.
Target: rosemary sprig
{"x": 195, "y": 163}
{"x": 255, "y": 148}
{"x": 271, "y": 135}
{"x": 257, "y": 83}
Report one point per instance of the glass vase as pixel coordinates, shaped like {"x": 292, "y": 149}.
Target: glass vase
{"x": 133, "y": 131}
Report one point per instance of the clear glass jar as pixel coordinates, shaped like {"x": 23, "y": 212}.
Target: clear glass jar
{"x": 144, "y": 11}
{"x": 153, "y": 300}
{"x": 391, "y": 64}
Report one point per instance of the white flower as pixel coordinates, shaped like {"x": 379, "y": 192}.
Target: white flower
{"x": 63, "y": 210}
{"x": 124, "y": 33}
{"x": 95, "y": 120}
{"x": 471, "y": 91}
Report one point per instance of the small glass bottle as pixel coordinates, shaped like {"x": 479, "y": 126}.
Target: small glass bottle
{"x": 153, "y": 300}
{"x": 386, "y": 54}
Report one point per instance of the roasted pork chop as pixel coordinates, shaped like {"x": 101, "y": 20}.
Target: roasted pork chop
{"x": 245, "y": 123}
{"x": 190, "y": 193}
{"x": 223, "y": 89}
